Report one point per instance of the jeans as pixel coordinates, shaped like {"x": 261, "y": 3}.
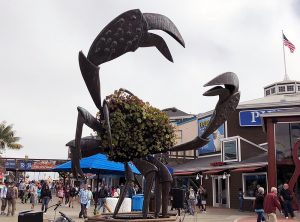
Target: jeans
{"x": 260, "y": 215}
{"x": 287, "y": 208}
{"x": 191, "y": 204}
{"x": 45, "y": 202}
{"x": 101, "y": 202}
{"x": 241, "y": 203}
{"x": 83, "y": 211}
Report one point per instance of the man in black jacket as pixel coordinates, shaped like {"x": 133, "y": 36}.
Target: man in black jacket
{"x": 286, "y": 197}
{"x": 102, "y": 194}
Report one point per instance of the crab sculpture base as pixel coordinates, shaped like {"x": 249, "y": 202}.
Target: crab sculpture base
{"x": 135, "y": 216}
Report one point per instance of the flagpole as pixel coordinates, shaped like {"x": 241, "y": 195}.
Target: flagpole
{"x": 285, "y": 74}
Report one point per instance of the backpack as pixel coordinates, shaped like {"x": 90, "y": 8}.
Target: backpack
{"x": 10, "y": 194}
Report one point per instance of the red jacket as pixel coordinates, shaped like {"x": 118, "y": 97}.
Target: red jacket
{"x": 271, "y": 202}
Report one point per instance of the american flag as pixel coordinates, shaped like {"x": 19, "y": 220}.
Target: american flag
{"x": 287, "y": 43}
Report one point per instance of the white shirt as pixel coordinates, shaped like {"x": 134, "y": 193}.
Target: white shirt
{"x": 3, "y": 192}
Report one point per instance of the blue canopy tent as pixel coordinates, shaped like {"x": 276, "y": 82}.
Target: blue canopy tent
{"x": 97, "y": 164}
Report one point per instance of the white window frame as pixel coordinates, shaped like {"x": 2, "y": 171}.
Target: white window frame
{"x": 243, "y": 182}
{"x": 238, "y": 151}
{"x": 290, "y": 90}
{"x": 284, "y": 87}
{"x": 273, "y": 89}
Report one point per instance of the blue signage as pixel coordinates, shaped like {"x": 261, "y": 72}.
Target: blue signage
{"x": 10, "y": 164}
{"x": 215, "y": 138}
{"x": 25, "y": 165}
{"x": 252, "y": 117}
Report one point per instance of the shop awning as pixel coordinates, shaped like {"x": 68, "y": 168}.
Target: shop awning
{"x": 245, "y": 169}
{"x": 183, "y": 173}
{"x": 213, "y": 171}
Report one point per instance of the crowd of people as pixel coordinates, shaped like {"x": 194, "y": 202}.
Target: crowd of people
{"x": 42, "y": 192}
{"x": 34, "y": 192}
{"x": 265, "y": 205}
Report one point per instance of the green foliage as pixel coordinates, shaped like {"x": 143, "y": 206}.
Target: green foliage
{"x": 8, "y": 138}
{"x": 138, "y": 129}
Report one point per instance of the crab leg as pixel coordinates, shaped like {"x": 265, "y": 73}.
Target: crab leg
{"x": 149, "y": 171}
{"x": 129, "y": 176}
{"x": 84, "y": 117}
{"x": 163, "y": 185}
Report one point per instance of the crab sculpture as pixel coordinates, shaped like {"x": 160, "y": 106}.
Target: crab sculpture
{"x": 126, "y": 33}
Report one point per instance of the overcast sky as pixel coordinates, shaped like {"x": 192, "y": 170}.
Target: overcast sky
{"x": 41, "y": 84}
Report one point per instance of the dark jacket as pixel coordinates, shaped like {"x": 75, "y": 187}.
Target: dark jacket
{"x": 259, "y": 201}
{"x": 46, "y": 193}
{"x": 271, "y": 202}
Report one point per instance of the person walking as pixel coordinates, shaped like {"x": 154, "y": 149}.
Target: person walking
{"x": 241, "y": 199}
{"x": 11, "y": 196}
{"x": 202, "y": 196}
{"x": 46, "y": 196}
{"x": 3, "y": 198}
{"x": 259, "y": 204}
{"x": 33, "y": 194}
{"x": 67, "y": 195}
{"x": 102, "y": 195}
{"x": 73, "y": 193}
{"x": 191, "y": 200}
{"x": 271, "y": 202}
{"x": 286, "y": 197}
{"x": 22, "y": 188}
{"x": 60, "y": 193}
{"x": 83, "y": 195}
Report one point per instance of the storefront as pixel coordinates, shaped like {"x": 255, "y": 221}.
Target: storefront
{"x": 255, "y": 147}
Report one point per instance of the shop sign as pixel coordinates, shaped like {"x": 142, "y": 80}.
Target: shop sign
{"x": 252, "y": 117}
{"x": 25, "y": 165}
{"x": 10, "y": 164}
{"x": 43, "y": 165}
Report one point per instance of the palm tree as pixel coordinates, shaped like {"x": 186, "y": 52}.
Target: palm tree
{"x": 8, "y": 138}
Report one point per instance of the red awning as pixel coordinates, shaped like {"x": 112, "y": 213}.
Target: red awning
{"x": 213, "y": 171}
{"x": 245, "y": 169}
{"x": 184, "y": 173}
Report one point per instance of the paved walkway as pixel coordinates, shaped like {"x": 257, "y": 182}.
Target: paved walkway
{"x": 213, "y": 214}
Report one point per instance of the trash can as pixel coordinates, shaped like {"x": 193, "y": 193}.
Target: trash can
{"x": 137, "y": 202}
{"x": 30, "y": 216}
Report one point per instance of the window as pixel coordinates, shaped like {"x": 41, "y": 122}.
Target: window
{"x": 230, "y": 150}
{"x": 290, "y": 88}
{"x": 251, "y": 182}
{"x": 298, "y": 86}
{"x": 267, "y": 92}
{"x": 273, "y": 90}
{"x": 178, "y": 134}
{"x": 281, "y": 88}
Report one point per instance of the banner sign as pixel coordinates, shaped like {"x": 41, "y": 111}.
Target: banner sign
{"x": 252, "y": 117}
{"x": 10, "y": 164}
{"x": 25, "y": 165}
{"x": 31, "y": 164}
{"x": 215, "y": 138}
{"x": 43, "y": 165}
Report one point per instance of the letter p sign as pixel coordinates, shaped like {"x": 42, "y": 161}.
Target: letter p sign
{"x": 254, "y": 115}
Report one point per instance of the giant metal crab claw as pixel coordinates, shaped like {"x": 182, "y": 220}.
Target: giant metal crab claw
{"x": 229, "y": 80}
{"x": 229, "y": 97}
{"x": 129, "y": 31}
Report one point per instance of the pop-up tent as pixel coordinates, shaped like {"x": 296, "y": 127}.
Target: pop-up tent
{"x": 97, "y": 164}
